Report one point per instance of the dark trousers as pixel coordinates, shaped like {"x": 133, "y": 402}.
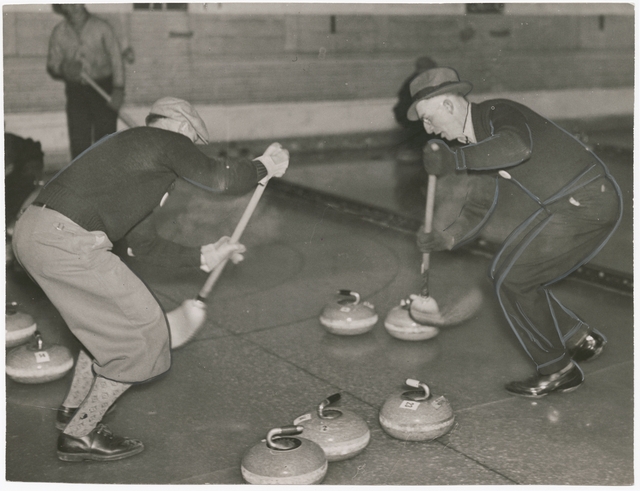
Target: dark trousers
{"x": 556, "y": 240}
{"x": 89, "y": 118}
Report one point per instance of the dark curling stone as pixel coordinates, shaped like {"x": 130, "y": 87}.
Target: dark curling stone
{"x": 347, "y": 316}
{"x": 341, "y": 433}
{"x": 283, "y": 460}
{"x": 37, "y": 363}
{"x": 400, "y": 325}
{"x": 416, "y": 415}
{"x": 18, "y": 327}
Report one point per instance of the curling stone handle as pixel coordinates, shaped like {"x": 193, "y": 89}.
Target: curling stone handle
{"x": 349, "y": 293}
{"x": 280, "y": 432}
{"x": 419, "y": 385}
{"x": 37, "y": 344}
{"x": 332, "y": 399}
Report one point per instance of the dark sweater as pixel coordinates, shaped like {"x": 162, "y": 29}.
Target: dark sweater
{"x": 121, "y": 179}
{"x": 516, "y": 146}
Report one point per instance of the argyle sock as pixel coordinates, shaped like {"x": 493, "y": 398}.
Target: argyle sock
{"x": 103, "y": 393}
{"x": 82, "y": 381}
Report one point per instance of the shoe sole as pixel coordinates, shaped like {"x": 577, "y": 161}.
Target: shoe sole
{"x": 79, "y": 457}
{"x": 540, "y": 396}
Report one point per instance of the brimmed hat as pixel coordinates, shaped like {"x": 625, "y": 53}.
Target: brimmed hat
{"x": 180, "y": 110}
{"x": 435, "y": 81}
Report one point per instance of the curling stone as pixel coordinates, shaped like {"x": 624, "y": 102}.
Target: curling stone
{"x": 416, "y": 415}
{"x": 283, "y": 460}
{"x": 340, "y": 433}
{"x": 35, "y": 363}
{"x": 19, "y": 327}
{"x": 399, "y": 324}
{"x": 347, "y": 316}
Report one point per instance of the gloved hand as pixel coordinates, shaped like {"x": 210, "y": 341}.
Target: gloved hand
{"x": 117, "y": 98}
{"x": 71, "y": 70}
{"x": 434, "y": 241}
{"x": 275, "y": 159}
{"x": 438, "y": 159}
{"x": 213, "y": 254}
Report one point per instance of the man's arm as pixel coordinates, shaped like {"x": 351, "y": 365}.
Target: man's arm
{"x": 510, "y": 142}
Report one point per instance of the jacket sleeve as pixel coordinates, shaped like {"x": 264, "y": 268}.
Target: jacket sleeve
{"x": 478, "y": 206}
{"x": 112, "y": 46}
{"x": 232, "y": 175}
{"x": 510, "y": 142}
{"x": 55, "y": 55}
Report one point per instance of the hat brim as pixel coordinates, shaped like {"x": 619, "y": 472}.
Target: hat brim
{"x": 462, "y": 88}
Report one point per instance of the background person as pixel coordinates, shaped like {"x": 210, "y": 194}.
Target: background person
{"x": 84, "y": 42}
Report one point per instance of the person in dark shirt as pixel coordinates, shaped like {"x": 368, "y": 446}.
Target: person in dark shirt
{"x": 64, "y": 241}
{"x": 569, "y": 206}
{"x": 86, "y": 43}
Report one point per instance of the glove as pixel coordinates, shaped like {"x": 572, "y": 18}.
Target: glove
{"x": 71, "y": 70}
{"x": 213, "y": 254}
{"x": 434, "y": 241}
{"x": 275, "y": 160}
{"x": 117, "y": 98}
{"x": 438, "y": 159}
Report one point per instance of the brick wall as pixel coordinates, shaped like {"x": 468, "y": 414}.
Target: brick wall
{"x": 241, "y": 59}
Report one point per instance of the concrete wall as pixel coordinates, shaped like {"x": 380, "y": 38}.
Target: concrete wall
{"x": 274, "y": 70}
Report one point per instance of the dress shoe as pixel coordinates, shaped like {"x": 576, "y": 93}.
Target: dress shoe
{"x": 566, "y": 380}
{"x": 590, "y": 348}
{"x": 101, "y": 445}
{"x": 65, "y": 414}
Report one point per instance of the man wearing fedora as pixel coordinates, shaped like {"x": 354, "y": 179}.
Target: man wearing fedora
{"x": 569, "y": 206}
{"x": 64, "y": 241}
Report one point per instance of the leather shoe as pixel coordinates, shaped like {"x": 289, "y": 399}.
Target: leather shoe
{"x": 101, "y": 445}
{"x": 65, "y": 414}
{"x": 590, "y": 348}
{"x": 566, "y": 380}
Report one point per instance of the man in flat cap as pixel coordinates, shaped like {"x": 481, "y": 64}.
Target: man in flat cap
{"x": 570, "y": 205}
{"x": 64, "y": 241}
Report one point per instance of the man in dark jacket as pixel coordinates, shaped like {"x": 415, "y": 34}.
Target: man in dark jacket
{"x": 569, "y": 207}
{"x": 64, "y": 241}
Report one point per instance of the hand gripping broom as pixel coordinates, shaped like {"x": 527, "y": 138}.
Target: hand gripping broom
{"x": 188, "y": 318}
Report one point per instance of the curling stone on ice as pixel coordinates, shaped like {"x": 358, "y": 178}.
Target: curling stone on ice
{"x": 19, "y": 327}
{"x": 399, "y": 324}
{"x": 37, "y": 363}
{"x": 347, "y": 316}
{"x": 416, "y": 415}
{"x": 281, "y": 459}
{"x": 342, "y": 434}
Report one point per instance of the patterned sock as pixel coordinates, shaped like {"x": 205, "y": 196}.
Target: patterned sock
{"x": 103, "y": 393}
{"x": 82, "y": 381}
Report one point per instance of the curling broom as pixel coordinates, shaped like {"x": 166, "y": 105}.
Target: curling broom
{"x": 423, "y": 308}
{"x": 188, "y": 318}
{"x": 121, "y": 114}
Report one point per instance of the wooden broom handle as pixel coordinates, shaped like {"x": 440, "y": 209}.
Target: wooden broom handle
{"x": 235, "y": 237}
{"x": 428, "y": 216}
{"x": 122, "y": 115}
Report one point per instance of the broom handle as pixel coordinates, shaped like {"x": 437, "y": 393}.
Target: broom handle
{"x": 122, "y": 115}
{"x": 217, "y": 271}
{"x": 428, "y": 225}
